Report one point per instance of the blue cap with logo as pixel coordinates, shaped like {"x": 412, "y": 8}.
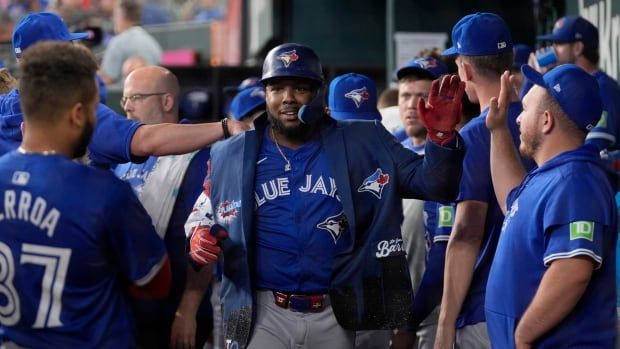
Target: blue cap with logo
{"x": 353, "y": 97}
{"x": 521, "y": 55}
{"x": 575, "y": 90}
{"x": 572, "y": 28}
{"x": 480, "y": 34}
{"x": 424, "y": 68}
{"x": 38, "y": 27}
{"x": 247, "y": 101}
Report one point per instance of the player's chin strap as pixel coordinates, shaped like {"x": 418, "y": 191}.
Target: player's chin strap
{"x": 313, "y": 111}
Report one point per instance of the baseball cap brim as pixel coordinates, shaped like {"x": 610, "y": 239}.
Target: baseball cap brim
{"x": 371, "y": 115}
{"x": 548, "y": 37}
{"x": 78, "y": 36}
{"x": 532, "y": 75}
{"x": 450, "y": 51}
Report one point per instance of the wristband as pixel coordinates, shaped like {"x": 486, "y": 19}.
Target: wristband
{"x": 225, "y": 128}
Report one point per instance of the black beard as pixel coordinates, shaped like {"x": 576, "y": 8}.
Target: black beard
{"x": 301, "y": 133}
{"x": 81, "y": 144}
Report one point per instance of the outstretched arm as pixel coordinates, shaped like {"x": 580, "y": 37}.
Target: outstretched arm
{"x": 172, "y": 139}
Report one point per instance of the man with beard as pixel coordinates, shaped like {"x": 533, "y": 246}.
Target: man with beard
{"x": 551, "y": 283}
{"x": 72, "y": 236}
{"x": 308, "y": 211}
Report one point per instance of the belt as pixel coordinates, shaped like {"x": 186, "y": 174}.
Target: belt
{"x": 304, "y": 303}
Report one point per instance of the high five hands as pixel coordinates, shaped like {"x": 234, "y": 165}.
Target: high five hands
{"x": 442, "y": 111}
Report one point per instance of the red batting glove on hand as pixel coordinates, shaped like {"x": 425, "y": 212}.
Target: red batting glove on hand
{"x": 442, "y": 111}
{"x": 203, "y": 245}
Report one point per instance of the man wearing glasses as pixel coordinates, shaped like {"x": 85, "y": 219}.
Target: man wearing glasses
{"x": 167, "y": 187}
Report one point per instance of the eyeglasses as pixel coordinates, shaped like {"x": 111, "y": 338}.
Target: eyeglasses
{"x": 139, "y": 97}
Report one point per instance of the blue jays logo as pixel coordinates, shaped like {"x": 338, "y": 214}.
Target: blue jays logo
{"x": 335, "y": 225}
{"x": 559, "y": 23}
{"x": 427, "y": 62}
{"x": 375, "y": 183}
{"x": 288, "y": 57}
{"x": 358, "y": 96}
{"x": 258, "y": 92}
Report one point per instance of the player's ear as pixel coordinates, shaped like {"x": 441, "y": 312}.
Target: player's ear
{"x": 547, "y": 121}
{"x": 168, "y": 102}
{"x": 577, "y": 48}
{"x": 77, "y": 116}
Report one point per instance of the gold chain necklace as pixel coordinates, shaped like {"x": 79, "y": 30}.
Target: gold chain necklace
{"x": 287, "y": 166}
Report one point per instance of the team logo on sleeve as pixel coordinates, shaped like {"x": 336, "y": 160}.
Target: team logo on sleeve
{"x": 335, "y": 225}
{"x": 445, "y": 216}
{"x": 582, "y": 230}
{"x": 358, "y": 96}
{"x": 375, "y": 183}
{"x": 288, "y": 57}
{"x": 228, "y": 210}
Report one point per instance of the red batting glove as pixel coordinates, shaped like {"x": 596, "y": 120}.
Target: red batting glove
{"x": 442, "y": 111}
{"x": 203, "y": 245}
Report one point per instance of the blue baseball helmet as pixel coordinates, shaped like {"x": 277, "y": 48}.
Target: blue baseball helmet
{"x": 294, "y": 61}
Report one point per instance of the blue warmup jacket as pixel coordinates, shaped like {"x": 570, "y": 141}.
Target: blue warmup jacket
{"x": 369, "y": 286}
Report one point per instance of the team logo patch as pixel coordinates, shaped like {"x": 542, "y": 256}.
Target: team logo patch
{"x": 559, "y": 23}
{"x": 228, "y": 210}
{"x": 20, "y": 178}
{"x": 501, "y": 45}
{"x": 335, "y": 225}
{"x": 375, "y": 183}
{"x": 582, "y": 230}
{"x": 388, "y": 248}
{"x": 358, "y": 96}
{"x": 288, "y": 57}
{"x": 445, "y": 216}
{"x": 427, "y": 62}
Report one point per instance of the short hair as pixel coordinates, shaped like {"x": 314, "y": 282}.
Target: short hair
{"x": 131, "y": 10}
{"x": 491, "y": 66}
{"x": 388, "y": 98}
{"x": 563, "y": 120}
{"x": 591, "y": 52}
{"x": 54, "y": 76}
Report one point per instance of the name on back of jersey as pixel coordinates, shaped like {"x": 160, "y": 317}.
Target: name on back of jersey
{"x": 23, "y": 206}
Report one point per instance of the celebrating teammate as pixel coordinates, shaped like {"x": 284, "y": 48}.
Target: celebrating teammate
{"x": 73, "y": 237}
{"x": 311, "y": 210}
{"x": 551, "y": 283}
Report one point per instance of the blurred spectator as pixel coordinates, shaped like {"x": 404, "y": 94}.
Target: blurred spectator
{"x": 132, "y": 63}
{"x": 131, "y": 40}
{"x": 203, "y": 11}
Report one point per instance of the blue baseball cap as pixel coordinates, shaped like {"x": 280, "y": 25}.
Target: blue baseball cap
{"x": 521, "y": 55}
{"x": 353, "y": 97}
{"x": 423, "y": 68}
{"x": 41, "y": 26}
{"x": 575, "y": 90}
{"x": 572, "y": 28}
{"x": 246, "y": 83}
{"x": 247, "y": 101}
{"x": 480, "y": 34}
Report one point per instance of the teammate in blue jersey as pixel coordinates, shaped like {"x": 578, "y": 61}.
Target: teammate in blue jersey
{"x": 483, "y": 46}
{"x": 551, "y": 284}
{"x": 73, "y": 238}
{"x": 312, "y": 207}
{"x": 576, "y": 40}
{"x": 116, "y": 139}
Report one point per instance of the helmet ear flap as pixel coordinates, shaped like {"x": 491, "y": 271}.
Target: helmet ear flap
{"x": 292, "y": 61}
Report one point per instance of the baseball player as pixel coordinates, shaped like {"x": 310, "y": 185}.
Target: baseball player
{"x": 576, "y": 40}
{"x": 483, "y": 46}
{"x": 551, "y": 283}
{"x": 116, "y": 139}
{"x": 311, "y": 207}
{"x": 73, "y": 237}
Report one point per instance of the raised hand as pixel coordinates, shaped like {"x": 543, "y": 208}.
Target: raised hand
{"x": 498, "y": 108}
{"x": 442, "y": 111}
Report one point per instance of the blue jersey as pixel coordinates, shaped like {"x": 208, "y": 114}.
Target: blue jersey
{"x": 110, "y": 144}
{"x": 71, "y": 237}
{"x": 606, "y": 133}
{"x": 476, "y": 185}
{"x": 563, "y": 209}
{"x": 298, "y": 219}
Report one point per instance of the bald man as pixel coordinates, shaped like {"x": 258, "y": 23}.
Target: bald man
{"x": 167, "y": 186}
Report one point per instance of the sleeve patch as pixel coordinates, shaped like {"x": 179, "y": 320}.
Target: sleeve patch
{"x": 582, "y": 230}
